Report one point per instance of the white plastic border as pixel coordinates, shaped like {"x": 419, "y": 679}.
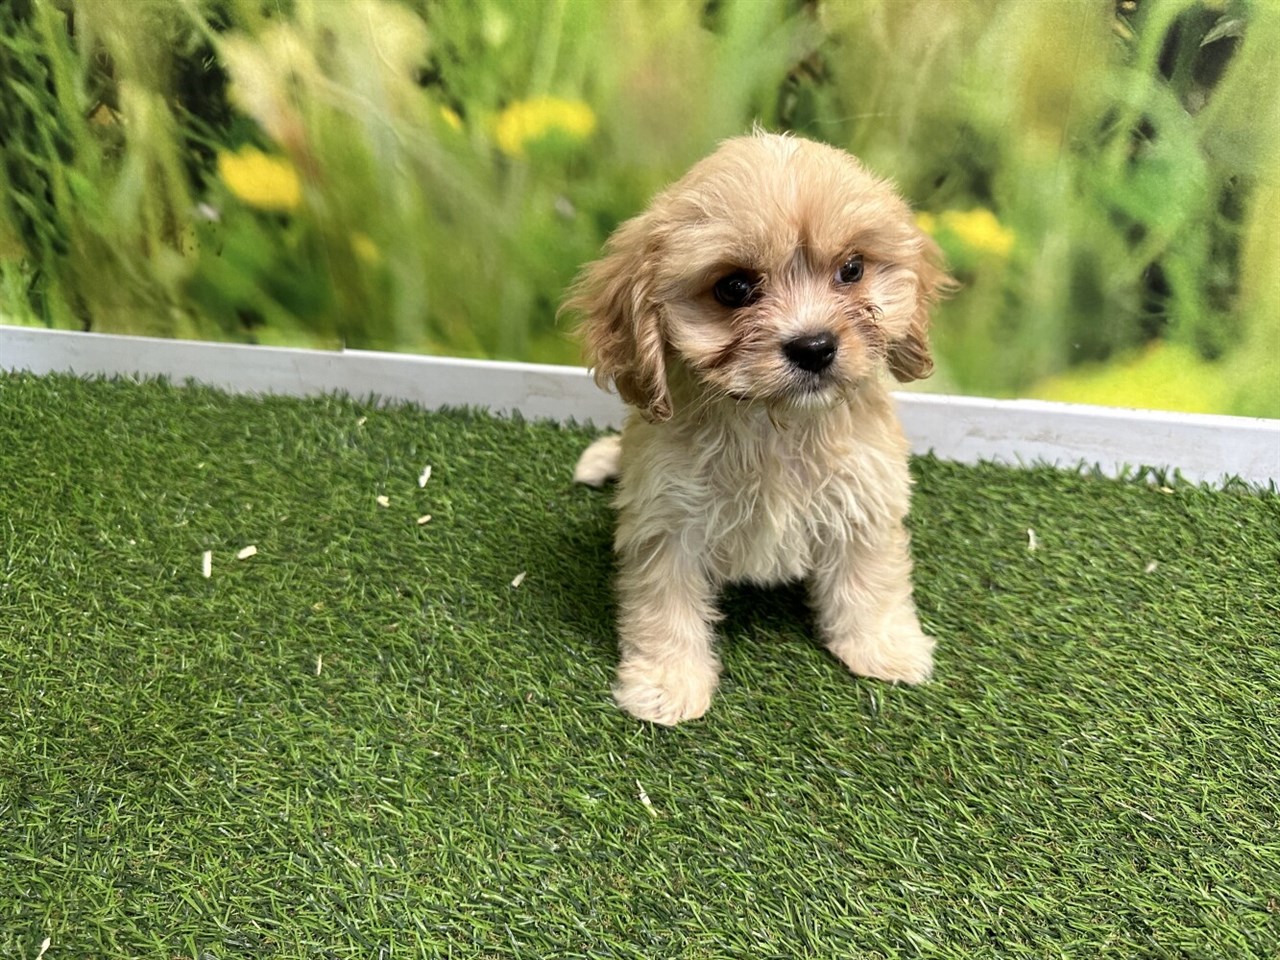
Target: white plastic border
{"x": 964, "y": 429}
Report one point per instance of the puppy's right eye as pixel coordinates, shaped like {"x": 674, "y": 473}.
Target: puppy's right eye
{"x": 735, "y": 290}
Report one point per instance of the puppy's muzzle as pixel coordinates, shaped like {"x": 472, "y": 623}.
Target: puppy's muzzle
{"x": 812, "y": 353}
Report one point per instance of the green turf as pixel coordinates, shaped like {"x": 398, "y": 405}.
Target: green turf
{"x": 364, "y": 742}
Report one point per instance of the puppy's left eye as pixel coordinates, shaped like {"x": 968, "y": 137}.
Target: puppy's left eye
{"x": 851, "y": 270}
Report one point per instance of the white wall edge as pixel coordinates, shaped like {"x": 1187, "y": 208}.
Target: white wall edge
{"x": 964, "y": 429}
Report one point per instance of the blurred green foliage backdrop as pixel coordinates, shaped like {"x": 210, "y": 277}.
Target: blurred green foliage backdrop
{"x": 428, "y": 174}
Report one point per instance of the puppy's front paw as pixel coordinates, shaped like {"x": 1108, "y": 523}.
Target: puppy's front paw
{"x": 904, "y": 655}
{"x": 665, "y": 694}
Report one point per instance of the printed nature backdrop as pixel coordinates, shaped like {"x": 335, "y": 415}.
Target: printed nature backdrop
{"x": 427, "y": 175}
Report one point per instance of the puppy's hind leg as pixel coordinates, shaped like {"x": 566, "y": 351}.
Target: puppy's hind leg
{"x": 861, "y": 593}
{"x": 599, "y": 462}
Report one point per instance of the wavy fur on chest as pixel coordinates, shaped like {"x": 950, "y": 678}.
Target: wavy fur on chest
{"x": 750, "y": 493}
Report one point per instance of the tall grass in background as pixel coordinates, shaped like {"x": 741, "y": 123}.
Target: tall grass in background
{"x": 428, "y": 175}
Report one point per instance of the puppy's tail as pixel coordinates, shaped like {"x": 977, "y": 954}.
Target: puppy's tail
{"x": 599, "y": 462}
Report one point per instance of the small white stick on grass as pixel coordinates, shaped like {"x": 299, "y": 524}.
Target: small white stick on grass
{"x": 206, "y": 564}
{"x": 247, "y": 552}
{"x": 319, "y": 663}
{"x": 644, "y": 799}
{"x": 384, "y": 500}
{"x": 44, "y": 947}
{"x": 519, "y": 579}
{"x": 424, "y": 476}
{"x": 425, "y": 518}
{"x": 1032, "y": 542}
{"x": 1145, "y": 816}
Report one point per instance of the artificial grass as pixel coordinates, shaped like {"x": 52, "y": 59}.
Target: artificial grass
{"x": 365, "y": 742}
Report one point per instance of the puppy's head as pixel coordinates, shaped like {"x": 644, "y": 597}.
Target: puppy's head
{"x": 777, "y": 269}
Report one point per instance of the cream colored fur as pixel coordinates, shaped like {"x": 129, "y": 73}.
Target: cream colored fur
{"x": 738, "y": 465}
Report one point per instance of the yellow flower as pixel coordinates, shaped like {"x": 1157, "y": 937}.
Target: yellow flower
{"x": 364, "y": 248}
{"x": 266, "y": 182}
{"x": 526, "y": 121}
{"x": 451, "y": 118}
{"x": 979, "y": 230}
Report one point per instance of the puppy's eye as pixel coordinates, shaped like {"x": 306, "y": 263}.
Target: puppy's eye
{"x": 735, "y": 290}
{"x": 851, "y": 270}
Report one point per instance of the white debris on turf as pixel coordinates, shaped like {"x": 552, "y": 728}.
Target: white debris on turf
{"x": 206, "y": 564}
{"x": 384, "y": 500}
{"x": 1032, "y": 542}
{"x": 247, "y": 552}
{"x": 644, "y": 799}
{"x": 519, "y": 579}
{"x": 424, "y": 476}
{"x": 425, "y": 518}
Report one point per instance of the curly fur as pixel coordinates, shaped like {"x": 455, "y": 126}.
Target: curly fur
{"x": 740, "y": 465}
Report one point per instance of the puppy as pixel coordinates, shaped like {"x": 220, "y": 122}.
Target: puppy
{"x": 749, "y": 317}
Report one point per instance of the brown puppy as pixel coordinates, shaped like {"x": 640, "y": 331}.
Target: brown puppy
{"x": 749, "y": 317}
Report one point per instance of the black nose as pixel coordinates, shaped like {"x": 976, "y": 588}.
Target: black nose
{"x": 813, "y": 353}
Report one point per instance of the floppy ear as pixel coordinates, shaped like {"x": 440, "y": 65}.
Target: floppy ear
{"x": 909, "y": 357}
{"x": 621, "y": 327}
